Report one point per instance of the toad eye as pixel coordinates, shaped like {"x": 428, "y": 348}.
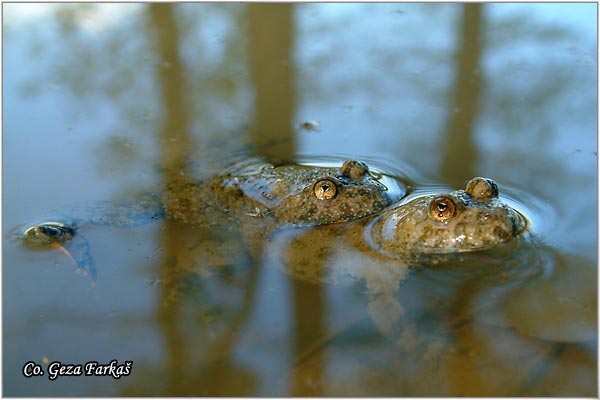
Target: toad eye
{"x": 325, "y": 189}
{"x": 442, "y": 208}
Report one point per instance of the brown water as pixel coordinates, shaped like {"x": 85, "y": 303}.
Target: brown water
{"x": 102, "y": 102}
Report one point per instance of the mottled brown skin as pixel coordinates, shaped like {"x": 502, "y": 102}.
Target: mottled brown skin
{"x": 239, "y": 212}
{"x": 244, "y": 204}
{"x": 460, "y": 221}
{"x": 463, "y": 220}
{"x": 377, "y": 250}
{"x": 285, "y": 195}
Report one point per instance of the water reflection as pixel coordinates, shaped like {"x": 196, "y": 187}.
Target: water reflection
{"x": 460, "y": 154}
{"x": 108, "y": 111}
{"x": 175, "y": 137}
{"x": 271, "y": 50}
{"x": 193, "y": 368}
{"x": 271, "y": 39}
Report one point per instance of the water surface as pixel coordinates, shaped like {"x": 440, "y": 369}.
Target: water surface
{"x": 103, "y": 102}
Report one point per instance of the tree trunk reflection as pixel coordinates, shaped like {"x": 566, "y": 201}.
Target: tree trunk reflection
{"x": 175, "y": 136}
{"x": 461, "y": 155}
{"x": 191, "y": 367}
{"x": 271, "y": 29}
{"x": 270, "y": 51}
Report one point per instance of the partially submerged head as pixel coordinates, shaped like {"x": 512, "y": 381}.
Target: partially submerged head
{"x": 463, "y": 220}
{"x": 305, "y": 195}
{"x": 333, "y": 195}
{"x": 47, "y": 234}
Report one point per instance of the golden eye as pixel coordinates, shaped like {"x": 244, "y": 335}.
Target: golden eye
{"x": 442, "y": 208}
{"x": 325, "y": 189}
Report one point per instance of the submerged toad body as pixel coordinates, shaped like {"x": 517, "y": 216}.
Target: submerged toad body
{"x": 378, "y": 250}
{"x": 318, "y": 224}
{"x": 326, "y": 210}
{"x": 254, "y": 196}
{"x": 286, "y": 195}
{"x": 456, "y": 222}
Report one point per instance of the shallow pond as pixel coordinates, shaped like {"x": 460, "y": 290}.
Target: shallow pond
{"x": 106, "y": 102}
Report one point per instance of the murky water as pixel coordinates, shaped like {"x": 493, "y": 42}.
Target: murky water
{"x": 107, "y": 102}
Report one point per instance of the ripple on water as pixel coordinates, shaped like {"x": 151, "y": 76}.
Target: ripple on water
{"x": 540, "y": 214}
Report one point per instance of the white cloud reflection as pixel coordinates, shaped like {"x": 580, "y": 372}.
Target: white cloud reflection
{"x": 97, "y": 18}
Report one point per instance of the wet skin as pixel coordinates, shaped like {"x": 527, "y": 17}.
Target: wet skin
{"x": 464, "y": 220}
{"x": 377, "y": 250}
{"x": 255, "y": 196}
{"x": 318, "y": 225}
{"x": 285, "y": 195}
{"x": 460, "y": 221}
{"x": 295, "y": 196}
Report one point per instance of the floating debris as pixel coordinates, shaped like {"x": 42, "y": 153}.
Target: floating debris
{"x": 311, "y": 126}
